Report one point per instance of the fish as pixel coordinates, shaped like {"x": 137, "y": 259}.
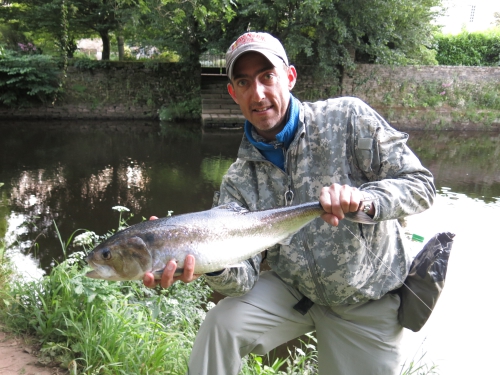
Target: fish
{"x": 218, "y": 238}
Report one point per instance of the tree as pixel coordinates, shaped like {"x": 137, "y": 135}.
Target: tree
{"x": 183, "y": 26}
{"x": 84, "y": 17}
{"x": 332, "y": 34}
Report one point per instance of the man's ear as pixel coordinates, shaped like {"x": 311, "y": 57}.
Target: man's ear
{"x": 230, "y": 90}
{"x": 292, "y": 77}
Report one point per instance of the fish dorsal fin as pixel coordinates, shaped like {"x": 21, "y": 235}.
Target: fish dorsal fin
{"x": 233, "y": 206}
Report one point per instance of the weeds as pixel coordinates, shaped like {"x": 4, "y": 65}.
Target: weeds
{"x": 418, "y": 367}
{"x": 104, "y": 327}
{"x": 108, "y": 327}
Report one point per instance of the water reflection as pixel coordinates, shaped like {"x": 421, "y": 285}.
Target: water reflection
{"x": 465, "y": 162}
{"x": 74, "y": 176}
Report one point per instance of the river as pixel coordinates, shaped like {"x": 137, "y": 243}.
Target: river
{"x": 72, "y": 174}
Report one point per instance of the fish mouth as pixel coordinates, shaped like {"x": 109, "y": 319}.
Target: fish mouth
{"x": 93, "y": 274}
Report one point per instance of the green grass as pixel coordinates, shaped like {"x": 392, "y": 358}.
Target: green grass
{"x": 107, "y": 327}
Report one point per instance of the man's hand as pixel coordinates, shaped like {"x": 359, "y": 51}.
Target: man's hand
{"x": 338, "y": 200}
{"x": 168, "y": 278}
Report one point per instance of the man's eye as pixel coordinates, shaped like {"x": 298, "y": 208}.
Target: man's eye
{"x": 241, "y": 83}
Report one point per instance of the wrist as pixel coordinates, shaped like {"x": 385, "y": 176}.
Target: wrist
{"x": 366, "y": 205}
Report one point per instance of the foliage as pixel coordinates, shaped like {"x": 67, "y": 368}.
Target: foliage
{"x": 302, "y": 360}
{"x": 453, "y": 93}
{"x": 5, "y": 274}
{"x": 186, "y": 27}
{"x": 330, "y": 35}
{"x": 27, "y": 79}
{"x": 106, "y": 327}
{"x": 470, "y": 49}
{"x": 418, "y": 367}
{"x": 433, "y": 102}
{"x": 89, "y": 64}
{"x": 85, "y": 17}
{"x": 185, "y": 110}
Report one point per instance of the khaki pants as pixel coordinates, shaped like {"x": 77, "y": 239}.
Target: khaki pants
{"x": 359, "y": 339}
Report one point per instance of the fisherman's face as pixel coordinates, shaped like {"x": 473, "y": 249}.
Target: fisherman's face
{"x": 262, "y": 91}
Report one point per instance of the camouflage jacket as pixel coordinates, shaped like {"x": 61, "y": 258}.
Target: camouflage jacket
{"x": 340, "y": 141}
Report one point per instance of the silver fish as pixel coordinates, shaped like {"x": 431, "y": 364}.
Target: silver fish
{"x": 218, "y": 238}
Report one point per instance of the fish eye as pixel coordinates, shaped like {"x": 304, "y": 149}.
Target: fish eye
{"x": 106, "y": 254}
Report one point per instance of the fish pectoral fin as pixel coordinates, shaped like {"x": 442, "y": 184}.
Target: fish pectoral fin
{"x": 360, "y": 217}
{"x": 286, "y": 241}
{"x": 158, "y": 273}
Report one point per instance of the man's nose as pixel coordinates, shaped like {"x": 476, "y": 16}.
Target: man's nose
{"x": 258, "y": 91}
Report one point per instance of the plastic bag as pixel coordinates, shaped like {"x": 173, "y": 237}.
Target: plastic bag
{"x": 425, "y": 282}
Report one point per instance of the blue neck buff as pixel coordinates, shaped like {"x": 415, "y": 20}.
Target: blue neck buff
{"x": 274, "y": 151}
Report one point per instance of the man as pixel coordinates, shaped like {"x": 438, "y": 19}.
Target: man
{"x": 335, "y": 276}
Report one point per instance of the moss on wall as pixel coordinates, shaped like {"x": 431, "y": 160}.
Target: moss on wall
{"x": 118, "y": 90}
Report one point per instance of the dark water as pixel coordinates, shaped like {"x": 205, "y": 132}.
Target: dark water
{"x": 74, "y": 173}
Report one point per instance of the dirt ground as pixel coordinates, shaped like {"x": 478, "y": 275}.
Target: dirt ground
{"x": 17, "y": 358}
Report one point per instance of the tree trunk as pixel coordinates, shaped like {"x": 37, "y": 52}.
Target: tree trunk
{"x": 121, "y": 47}
{"x": 106, "y": 44}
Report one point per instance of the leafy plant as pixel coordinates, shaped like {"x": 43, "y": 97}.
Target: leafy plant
{"x": 27, "y": 79}
{"x": 470, "y": 49}
{"x": 185, "y": 110}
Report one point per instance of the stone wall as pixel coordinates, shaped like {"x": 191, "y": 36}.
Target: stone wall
{"x": 116, "y": 90}
{"x": 409, "y": 97}
{"x": 417, "y": 97}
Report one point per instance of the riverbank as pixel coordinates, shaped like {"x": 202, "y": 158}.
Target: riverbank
{"x": 18, "y": 356}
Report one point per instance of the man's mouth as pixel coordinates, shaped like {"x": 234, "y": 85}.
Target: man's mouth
{"x": 262, "y": 109}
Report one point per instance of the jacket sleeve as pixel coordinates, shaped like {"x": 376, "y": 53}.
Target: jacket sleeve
{"x": 238, "y": 280}
{"x": 396, "y": 180}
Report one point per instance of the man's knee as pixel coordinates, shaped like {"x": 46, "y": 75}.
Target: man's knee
{"x": 226, "y": 316}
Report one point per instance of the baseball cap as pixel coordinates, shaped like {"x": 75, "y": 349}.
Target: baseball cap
{"x": 264, "y": 43}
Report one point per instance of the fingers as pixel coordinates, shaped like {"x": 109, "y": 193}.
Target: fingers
{"x": 168, "y": 276}
{"x": 337, "y": 200}
{"x": 149, "y": 280}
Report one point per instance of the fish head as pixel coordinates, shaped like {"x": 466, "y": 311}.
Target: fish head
{"x": 120, "y": 258}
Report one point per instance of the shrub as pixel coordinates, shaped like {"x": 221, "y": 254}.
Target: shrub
{"x": 186, "y": 110}
{"x": 27, "y": 79}
{"x": 469, "y": 49}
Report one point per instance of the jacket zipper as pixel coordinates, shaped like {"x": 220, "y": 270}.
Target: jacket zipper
{"x": 307, "y": 252}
